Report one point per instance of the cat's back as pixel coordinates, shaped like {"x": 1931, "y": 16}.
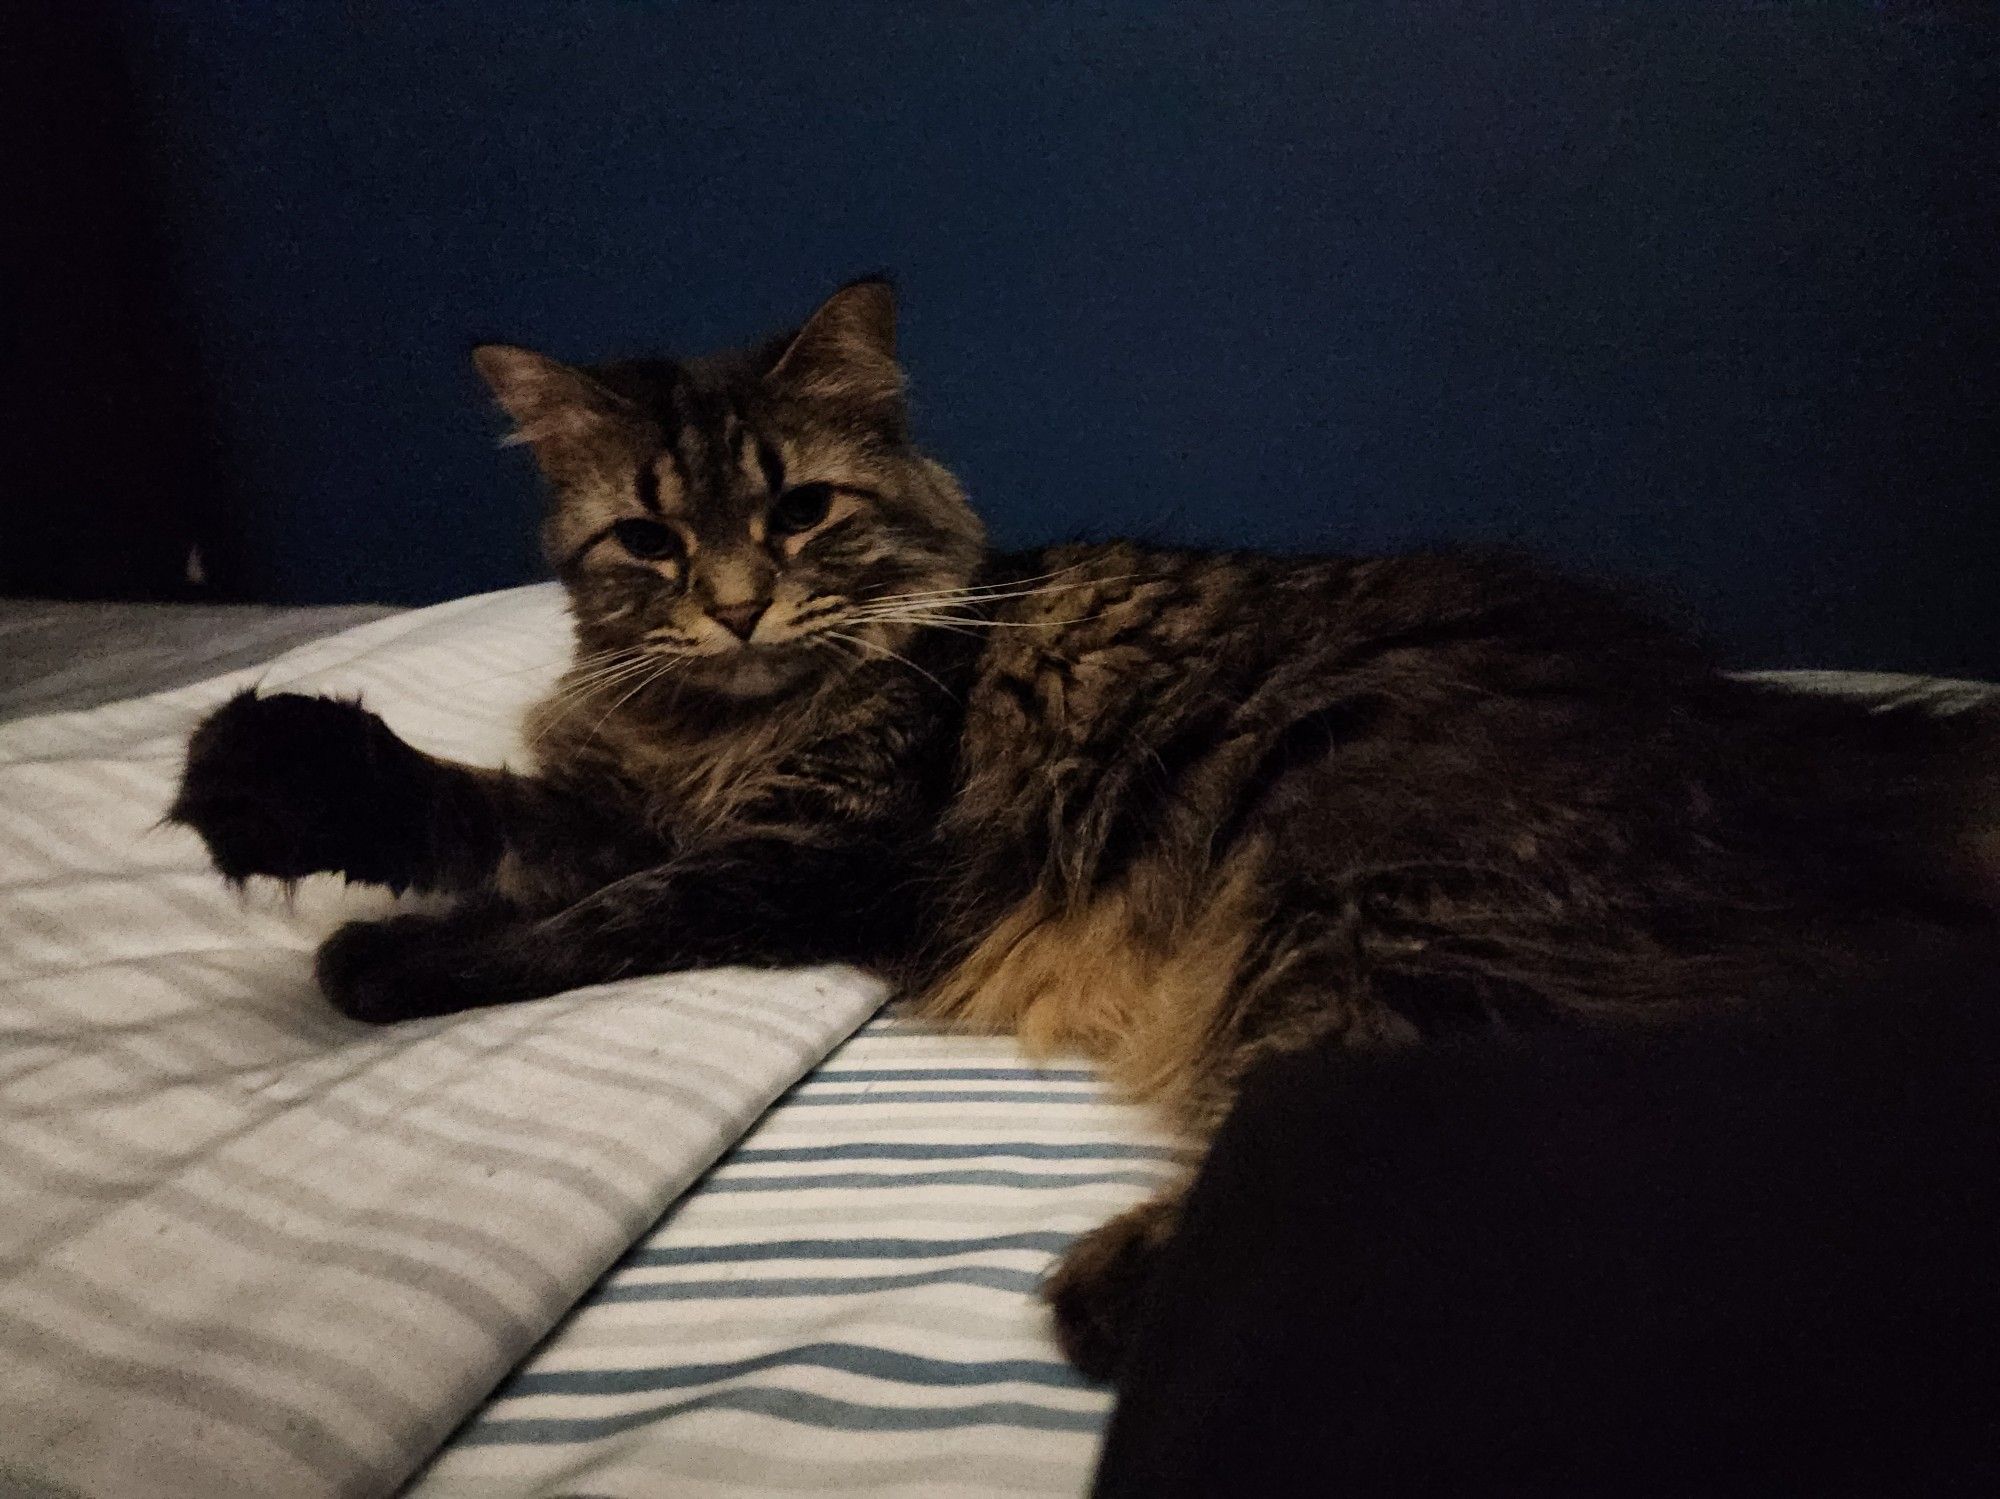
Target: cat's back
{"x": 1097, "y": 652}
{"x": 1140, "y": 706}
{"x": 1093, "y": 616}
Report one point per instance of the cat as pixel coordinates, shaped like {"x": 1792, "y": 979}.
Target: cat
{"x": 1178, "y": 809}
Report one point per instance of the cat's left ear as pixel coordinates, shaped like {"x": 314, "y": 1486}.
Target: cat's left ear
{"x": 845, "y": 354}
{"x": 553, "y": 405}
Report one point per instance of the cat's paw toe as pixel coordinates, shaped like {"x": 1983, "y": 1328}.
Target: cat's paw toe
{"x": 1097, "y": 1291}
{"x": 247, "y": 835}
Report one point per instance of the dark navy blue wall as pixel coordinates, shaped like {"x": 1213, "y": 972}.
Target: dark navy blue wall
{"x": 1679, "y": 293}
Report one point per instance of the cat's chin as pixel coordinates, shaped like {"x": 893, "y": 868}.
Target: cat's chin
{"x": 757, "y": 673}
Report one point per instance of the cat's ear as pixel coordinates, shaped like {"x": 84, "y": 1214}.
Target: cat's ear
{"x": 553, "y": 405}
{"x": 846, "y": 353}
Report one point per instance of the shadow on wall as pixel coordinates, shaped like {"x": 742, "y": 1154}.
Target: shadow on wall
{"x": 1696, "y": 295}
{"x": 111, "y": 471}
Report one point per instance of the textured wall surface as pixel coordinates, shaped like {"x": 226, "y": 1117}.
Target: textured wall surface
{"x": 1694, "y": 295}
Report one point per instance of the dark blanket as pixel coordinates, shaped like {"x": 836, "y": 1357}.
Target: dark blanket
{"x": 1755, "y": 1256}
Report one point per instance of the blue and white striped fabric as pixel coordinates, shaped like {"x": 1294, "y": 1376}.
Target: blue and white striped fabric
{"x": 846, "y": 1305}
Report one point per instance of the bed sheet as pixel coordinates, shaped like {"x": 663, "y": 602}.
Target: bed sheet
{"x": 248, "y": 1247}
{"x": 846, "y": 1304}
{"x": 251, "y": 1248}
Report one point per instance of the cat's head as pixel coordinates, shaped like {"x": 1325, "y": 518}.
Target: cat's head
{"x": 757, "y": 520}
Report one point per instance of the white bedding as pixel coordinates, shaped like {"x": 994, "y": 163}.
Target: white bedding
{"x": 247, "y": 1247}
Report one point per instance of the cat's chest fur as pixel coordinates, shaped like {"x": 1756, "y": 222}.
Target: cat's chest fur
{"x": 682, "y": 775}
{"x": 699, "y": 770}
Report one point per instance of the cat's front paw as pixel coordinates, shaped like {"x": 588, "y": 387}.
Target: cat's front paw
{"x": 390, "y": 970}
{"x": 1097, "y": 1290}
{"x": 290, "y": 785}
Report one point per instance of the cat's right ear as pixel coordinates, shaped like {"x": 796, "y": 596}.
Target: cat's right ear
{"x": 554, "y": 406}
{"x": 845, "y": 355}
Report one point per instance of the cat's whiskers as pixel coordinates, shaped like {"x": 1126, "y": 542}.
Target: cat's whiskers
{"x": 871, "y": 645}
{"x": 607, "y": 679}
{"x": 821, "y": 643}
{"x": 667, "y": 664}
{"x": 568, "y": 664}
{"x": 994, "y": 592}
{"x": 955, "y": 626}
{"x": 962, "y": 610}
{"x": 559, "y": 706}
{"x": 565, "y": 664}
{"x": 1007, "y": 589}
{"x": 890, "y": 601}
{"x": 593, "y": 659}
{"x": 583, "y": 685}
{"x": 972, "y": 622}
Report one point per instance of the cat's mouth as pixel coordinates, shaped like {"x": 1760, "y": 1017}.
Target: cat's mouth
{"x": 759, "y": 668}
{"x": 735, "y": 652}
{"x": 722, "y": 662}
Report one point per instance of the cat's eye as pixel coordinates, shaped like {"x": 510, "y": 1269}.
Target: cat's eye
{"x": 647, "y": 540}
{"x": 801, "y": 508}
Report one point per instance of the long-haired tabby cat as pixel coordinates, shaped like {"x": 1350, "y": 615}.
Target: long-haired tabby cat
{"x": 1178, "y": 809}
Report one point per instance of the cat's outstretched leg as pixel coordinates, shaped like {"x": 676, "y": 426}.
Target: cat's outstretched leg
{"x": 765, "y": 902}
{"x": 290, "y": 785}
{"x": 404, "y": 967}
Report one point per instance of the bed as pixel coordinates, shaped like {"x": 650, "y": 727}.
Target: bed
{"x": 726, "y": 1233}
{"x": 723, "y": 1233}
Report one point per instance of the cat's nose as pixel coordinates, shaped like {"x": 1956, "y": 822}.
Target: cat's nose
{"x": 739, "y": 619}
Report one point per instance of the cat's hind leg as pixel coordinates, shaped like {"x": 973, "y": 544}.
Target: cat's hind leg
{"x": 1101, "y": 1287}
{"x": 761, "y": 902}
{"x": 1097, "y": 1290}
